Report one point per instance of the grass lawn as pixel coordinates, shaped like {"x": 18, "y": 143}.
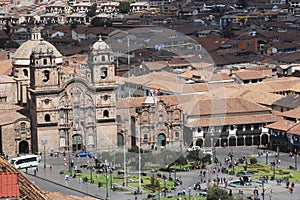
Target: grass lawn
{"x": 261, "y": 170}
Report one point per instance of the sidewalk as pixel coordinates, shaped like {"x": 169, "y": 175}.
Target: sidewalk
{"x": 92, "y": 190}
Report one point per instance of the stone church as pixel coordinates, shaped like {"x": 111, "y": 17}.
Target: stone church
{"x": 69, "y": 110}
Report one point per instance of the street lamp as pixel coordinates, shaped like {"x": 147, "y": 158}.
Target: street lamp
{"x": 106, "y": 181}
{"x": 232, "y": 161}
{"x": 165, "y": 187}
{"x": 267, "y": 154}
{"x": 152, "y": 182}
{"x": 190, "y": 193}
{"x": 91, "y": 171}
{"x": 110, "y": 178}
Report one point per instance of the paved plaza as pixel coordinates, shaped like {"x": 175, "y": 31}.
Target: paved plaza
{"x": 273, "y": 191}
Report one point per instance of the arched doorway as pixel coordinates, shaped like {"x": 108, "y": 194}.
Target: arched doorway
{"x": 232, "y": 141}
{"x": 77, "y": 143}
{"x": 256, "y": 140}
{"x": 264, "y": 139}
{"x": 199, "y": 142}
{"x": 23, "y": 147}
{"x": 240, "y": 141}
{"x": 161, "y": 140}
{"x": 248, "y": 140}
{"x": 120, "y": 140}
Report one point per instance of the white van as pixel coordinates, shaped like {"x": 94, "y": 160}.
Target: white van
{"x": 194, "y": 148}
{"x": 207, "y": 151}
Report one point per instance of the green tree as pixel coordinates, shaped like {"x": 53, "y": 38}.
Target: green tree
{"x": 215, "y": 192}
{"x": 253, "y": 160}
{"x": 100, "y": 22}
{"x": 180, "y": 161}
{"x": 194, "y": 155}
{"x": 124, "y": 7}
{"x": 92, "y": 11}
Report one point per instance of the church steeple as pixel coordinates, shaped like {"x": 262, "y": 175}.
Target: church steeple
{"x": 36, "y": 34}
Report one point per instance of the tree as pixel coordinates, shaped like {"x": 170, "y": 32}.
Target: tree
{"x": 92, "y": 11}
{"x": 215, "y": 192}
{"x": 100, "y": 22}
{"x": 180, "y": 161}
{"x": 124, "y": 7}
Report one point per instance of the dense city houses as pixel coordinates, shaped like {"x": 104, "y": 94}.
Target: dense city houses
{"x": 96, "y": 76}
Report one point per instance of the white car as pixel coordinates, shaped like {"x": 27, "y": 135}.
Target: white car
{"x": 194, "y": 148}
{"x": 207, "y": 151}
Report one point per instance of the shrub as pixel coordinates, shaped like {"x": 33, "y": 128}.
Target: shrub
{"x": 253, "y": 160}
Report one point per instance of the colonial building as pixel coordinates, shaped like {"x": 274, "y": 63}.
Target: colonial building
{"x": 70, "y": 109}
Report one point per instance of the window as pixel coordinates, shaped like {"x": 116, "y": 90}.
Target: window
{"x": 3, "y": 99}
{"x": 47, "y": 101}
{"x": 103, "y": 58}
{"x": 46, "y": 76}
{"x": 145, "y": 136}
{"x": 105, "y": 113}
{"x": 45, "y": 61}
{"x": 120, "y": 140}
{"x": 23, "y": 127}
{"x": 103, "y": 73}
{"x": 47, "y": 118}
{"x": 105, "y": 98}
{"x": 119, "y": 119}
{"x": 177, "y": 136}
{"x": 25, "y": 72}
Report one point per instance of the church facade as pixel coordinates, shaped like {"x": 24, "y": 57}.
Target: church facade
{"x": 68, "y": 109}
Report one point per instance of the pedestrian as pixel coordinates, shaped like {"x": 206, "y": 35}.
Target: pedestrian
{"x": 50, "y": 167}
{"x": 67, "y": 177}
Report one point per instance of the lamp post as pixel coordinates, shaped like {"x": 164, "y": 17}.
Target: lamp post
{"x": 165, "y": 187}
{"x": 263, "y": 189}
{"x": 44, "y": 143}
{"x": 267, "y": 154}
{"x": 91, "y": 173}
{"x": 152, "y": 182}
{"x": 124, "y": 145}
{"x": 106, "y": 181}
{"x": 232, "y": 161}
{"x": 110, "y": 178}
{"x": 295, "y": 156}
{"x": 190, "y": 193}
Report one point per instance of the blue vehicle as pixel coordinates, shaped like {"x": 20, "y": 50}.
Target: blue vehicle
{"x": 83, "y": 154}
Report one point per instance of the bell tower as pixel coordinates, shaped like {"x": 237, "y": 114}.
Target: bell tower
{"x": 103, "y": 80}
{"x": 100, "y": 62}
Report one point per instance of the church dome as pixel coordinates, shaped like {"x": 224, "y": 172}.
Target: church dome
{"x": 100, "y": 45}
{"x": 22, "y": 55}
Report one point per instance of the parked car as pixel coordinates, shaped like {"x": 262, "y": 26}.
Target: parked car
{"x": 207, "y": 151}
{"x": 83, "y": 154}
{"x": 194, "y": 148}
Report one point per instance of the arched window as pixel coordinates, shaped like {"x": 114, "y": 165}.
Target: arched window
{"x": 145, "y": 136}
{"x": 23, "y": 127}
{"x": 103, "y": 73}
{"x": 46, "y": 76}
{"x": 120, "y": 140}
{"x": 177, "y": 136}
{"x": 45, "y": 61}
{"x": 47, "y": 118}
{"x": 105, "y": 113}
{"x": 118, "y": 119}
{"x": 25, "y": 72}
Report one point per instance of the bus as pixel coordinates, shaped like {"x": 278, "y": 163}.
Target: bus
{"x": 25, "y": 161}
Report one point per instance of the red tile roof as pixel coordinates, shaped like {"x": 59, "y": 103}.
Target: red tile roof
{"x": 9, "y": 187}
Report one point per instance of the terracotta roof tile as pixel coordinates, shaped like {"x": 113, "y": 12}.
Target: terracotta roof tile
{"x": 233, "y": 120}
{"x": 294, "y": 113}
{"x": 282, "y": 125}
